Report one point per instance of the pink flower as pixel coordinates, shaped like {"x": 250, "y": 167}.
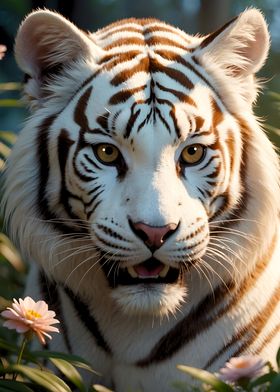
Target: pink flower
{"x": 26, "y": 315}
{"x": 2, "y": 51}
{"x": 246, "y": 366}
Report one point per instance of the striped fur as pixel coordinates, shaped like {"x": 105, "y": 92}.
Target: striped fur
{"x": 151, "y": 91}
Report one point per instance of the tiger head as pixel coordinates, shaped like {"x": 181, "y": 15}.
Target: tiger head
{"x": 142, "y": 170}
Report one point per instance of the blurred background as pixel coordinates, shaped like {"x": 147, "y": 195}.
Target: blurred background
{"x": 193, "y": 16}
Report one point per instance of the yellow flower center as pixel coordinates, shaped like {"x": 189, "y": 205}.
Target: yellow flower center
{"x": 242, "y": 365}
{"x": 31, "y": 314}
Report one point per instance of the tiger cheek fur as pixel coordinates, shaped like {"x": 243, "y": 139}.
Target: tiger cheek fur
{"x": 146, "y": 195}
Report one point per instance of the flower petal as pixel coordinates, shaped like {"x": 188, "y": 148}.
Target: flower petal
{"x": 17, "y": 325}
{"x": 28, "y": 315}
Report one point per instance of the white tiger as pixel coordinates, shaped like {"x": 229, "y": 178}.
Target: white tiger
{"x": 147, "y": 195}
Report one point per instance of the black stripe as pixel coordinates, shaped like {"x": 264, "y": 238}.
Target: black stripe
{"x": 91, "y": 161}
{"x": 50, "y": 294}
{"x": 80, "y": 111}
{"x": 163, "y": 120}
{"x": 187, "y": 329}
{"x": 249, "y": 333}
{"x": 89, "y": 210}
{"x": 83, "y": 313}
{"x": 64, "y": 144}
{"x": 44, "y": 168}
{"x": 89, "y": 213}
{"x": 179, "y": 59}
{"x": 131, "y": 122}
{"x": 215, "y": 34}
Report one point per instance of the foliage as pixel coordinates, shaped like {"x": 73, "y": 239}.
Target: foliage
{"x": 268, "y": 381}
{"x": 26, "y": 378}
{"x": 12, "y": 269}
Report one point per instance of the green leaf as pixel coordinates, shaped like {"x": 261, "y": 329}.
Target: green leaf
{"x": 11, "y": 103}
{"x": 4, "y": 150}
{"x": 73, "y": 359}
{"x": 8, "y": 346}
{"x": 100, "y": 388}
{"x": 45, "y": 379}
{"x": 15, "y": 386}
{"x": 8, "y": 137}
{"x": 274, "y": 95}
{"x": 272, "y": 129}
{"x": 265, "y": 378}
{"x": 206, "y": 377}
{"x": 13, "y": 348}
{"x": 10, "y": 86}
{"x": 275, "y": 385}
{"x": 70, "y": 372}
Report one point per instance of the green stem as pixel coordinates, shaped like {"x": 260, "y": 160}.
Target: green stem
{"x": 20, "y": 355}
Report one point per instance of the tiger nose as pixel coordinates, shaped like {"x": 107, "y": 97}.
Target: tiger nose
{"x": 153, "y": 236}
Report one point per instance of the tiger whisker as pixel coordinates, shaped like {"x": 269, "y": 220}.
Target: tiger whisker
{"x": 213, "y": 272}
{"x": 223, "y": 240}
{"x": 219, "y": 255}
{"x": 92, "y": 266}
{"x": 197, "y": 267}
{"x": 78, "y": 251}
{"x": 78, "y": 266}
{"x": 229, "y": 250}
{"x": 224, "y": 230}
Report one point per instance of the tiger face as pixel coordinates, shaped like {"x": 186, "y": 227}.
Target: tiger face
{"x": 147, "y": 175}
{"x": 141, "y": 151}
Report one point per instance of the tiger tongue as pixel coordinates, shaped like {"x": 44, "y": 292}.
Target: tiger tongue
{"x": 145, "y": 271}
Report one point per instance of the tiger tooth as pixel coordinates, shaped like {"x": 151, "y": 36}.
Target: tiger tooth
{"x": 132, "y": 272}
{"x": 164, "y": 271}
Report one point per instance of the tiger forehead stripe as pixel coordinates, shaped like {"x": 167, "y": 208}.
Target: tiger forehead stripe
{"x": 112, "y": 59}
{"x": 142, "y": 32}
{"x": 148, "y": 25}
{"x": 180, "y": 95}
{"x": 80, "y": 110}
{"x": 124, "y": 42}
{"x": 124, "y": 95}
{"x": 142, "y": 66}
{"x": 158, "y": 40}
{"x": 122, "y": 29}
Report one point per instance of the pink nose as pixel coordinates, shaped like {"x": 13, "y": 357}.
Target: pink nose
{"x": 153, "y": 236}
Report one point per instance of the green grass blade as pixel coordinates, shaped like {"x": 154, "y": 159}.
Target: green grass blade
{"x": 100, "y": 388}
{"x": 11, "y": 103}
{"x": 43, "y": 378}
{"x": 206, "y": 377}
{"x": 275, "y": 385}
{"x": 10, "y": 86}
{"x": 70, "y": 372}
{"x": 9, "y": 385}
{"x": 8, "y": 137}
{"x": 75, "y": 360}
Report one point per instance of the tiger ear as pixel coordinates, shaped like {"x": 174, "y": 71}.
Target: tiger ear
{"x": 240, "y": 47}
{"x": 46, "y": 42}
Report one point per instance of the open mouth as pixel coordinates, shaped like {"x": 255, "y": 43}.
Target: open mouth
{"x": 147, "y": 272}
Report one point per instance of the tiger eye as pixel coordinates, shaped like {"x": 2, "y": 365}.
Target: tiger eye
{"x": 107, "y": 153}
{"x": 193, "y": 154}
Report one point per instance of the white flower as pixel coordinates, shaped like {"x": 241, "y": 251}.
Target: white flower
{"x": 27, "y": 315}
{"x": 246, "y": 366}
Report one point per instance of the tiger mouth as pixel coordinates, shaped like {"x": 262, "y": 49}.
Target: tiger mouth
{"x": 151, "y": 271}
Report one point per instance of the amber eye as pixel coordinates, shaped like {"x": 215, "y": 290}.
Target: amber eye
{"x": 193, "y": 154}
{"x": 107, "y": 153}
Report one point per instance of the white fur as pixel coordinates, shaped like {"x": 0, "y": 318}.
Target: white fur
{"x": 132, "y": 319}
